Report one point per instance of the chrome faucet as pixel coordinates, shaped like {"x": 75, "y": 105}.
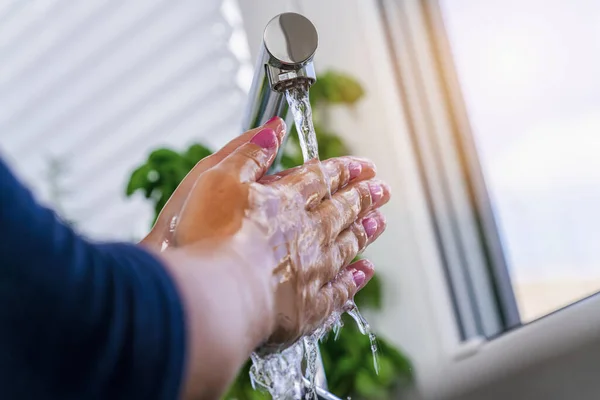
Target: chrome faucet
{"x": 285, "y": 60}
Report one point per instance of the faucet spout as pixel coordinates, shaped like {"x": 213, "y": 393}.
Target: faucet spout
{"x": 285, "y": 60}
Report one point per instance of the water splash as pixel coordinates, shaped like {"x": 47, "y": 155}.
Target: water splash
{"x": 337, "y": 328}
{"x": 365, "y": 329}
{"x": 311, "y": 348}
{"x": 281, "y": 374}
{"x": 299, "y": 102}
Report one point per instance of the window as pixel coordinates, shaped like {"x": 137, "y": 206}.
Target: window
{"x": 88, "y": 89}
{"x": 503, "y": 100}
{"x": 529, "y": 75}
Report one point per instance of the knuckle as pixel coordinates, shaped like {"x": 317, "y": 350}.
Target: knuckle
{"x": 337, "y": 172}
{"x": 343, "y": 172}
{"x": 362, "y": 239}
{"x": 256, "y": 160}
{"x": 349, "y": 247}
{"x": 350, "y": 200}
{"x": 248, "y": 157}
{"x": 365, "y": 196}
{"x": 341, "y": 292}
{"x": 328, "y": 306}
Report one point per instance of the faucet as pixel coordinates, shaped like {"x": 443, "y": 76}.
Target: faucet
{"x": 285, "y": 60}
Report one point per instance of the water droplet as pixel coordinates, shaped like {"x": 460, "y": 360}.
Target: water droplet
{"x": 365, "y": 329}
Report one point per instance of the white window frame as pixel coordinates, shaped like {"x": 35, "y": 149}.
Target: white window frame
{"x": 463, "y": 218}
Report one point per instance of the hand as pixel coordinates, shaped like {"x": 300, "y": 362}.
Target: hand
{"x": 265, "y": 259}
{"x": 334, "y": 230}
{"x": 287, "y": 226}
{"x": 160, "y": 232}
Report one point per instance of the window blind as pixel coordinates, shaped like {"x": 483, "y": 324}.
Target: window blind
{"x": 88, "y": 89}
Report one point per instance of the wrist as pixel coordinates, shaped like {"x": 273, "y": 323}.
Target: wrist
{"x": 230, "y": 284}
{"x": 228, "y": 304}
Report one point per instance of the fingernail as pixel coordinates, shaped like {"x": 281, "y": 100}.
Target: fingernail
{"x": 376, "y": 192}
{"x": 266, "y": 139}
{"x": 370, "y": 225}
{"x": 359, "y": 277}
{"x": 280, "y": 128}
{"x": 355, "y": 169}
{"x": 368, "y": 264}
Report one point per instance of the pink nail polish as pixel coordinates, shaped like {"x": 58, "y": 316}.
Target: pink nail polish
{"x": 366, "y": 264}
{"x": 370, "y": 225}
{"x": 359, "y": 277}
{"x": 355, "y": 169}
{"x": 376, "y": 192}
{"x": 266, "y": 139}
{"x": 280, "y": 128}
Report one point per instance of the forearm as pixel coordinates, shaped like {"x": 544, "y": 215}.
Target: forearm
{"x": 228, "y": 309}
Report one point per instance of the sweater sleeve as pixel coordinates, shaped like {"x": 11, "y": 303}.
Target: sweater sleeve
{"x": 81, "y": 320}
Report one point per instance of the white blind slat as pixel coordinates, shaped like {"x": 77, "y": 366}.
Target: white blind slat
{"x": 98, "y": 85}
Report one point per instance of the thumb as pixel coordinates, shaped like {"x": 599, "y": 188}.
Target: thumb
{"x": 252, "y": 160}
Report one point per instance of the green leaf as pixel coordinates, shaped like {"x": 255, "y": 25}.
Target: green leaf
{"x": 138, "y": 179}
{"x": 164, "y": 156}
{"x": 368, "y": 387}
{"x": 370, "y": 295}
{"x": 401, "y": 363}
{"x": 344, "y": 369}
{"x": 290, "y": 160}
{"x": 387, "y": 371}
{"x": 330, "y": 145}
{"x": 195, "y": 153}
{"x": 336, "y": 88}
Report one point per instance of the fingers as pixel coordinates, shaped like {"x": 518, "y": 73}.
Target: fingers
{"x": 353, "y": 241}
{"x": 348, "y": 205}
{"x": 314, "y": 180}
{"x": 343, "y": 170}
{"x": 251, "y": 161}
{"x": 276, "y": 123}
{"x": 181, "y": 193}
{"x": 350, "y": 243}
{"x": 335, "y": 294}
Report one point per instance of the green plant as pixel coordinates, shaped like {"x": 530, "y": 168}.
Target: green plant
{"x": 347, "y": 360}
{"x": 162, "y": 172}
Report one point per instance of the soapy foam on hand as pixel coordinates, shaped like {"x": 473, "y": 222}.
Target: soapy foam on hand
{"x": 281, "y": 374}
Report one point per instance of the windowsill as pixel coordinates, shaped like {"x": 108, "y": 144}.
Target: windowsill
{"x": 479, "y": 364}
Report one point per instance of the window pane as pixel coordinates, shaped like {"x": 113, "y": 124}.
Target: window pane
{"x": 530, "y": 75}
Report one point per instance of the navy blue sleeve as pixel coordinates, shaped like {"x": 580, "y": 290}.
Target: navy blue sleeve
{"x": 81, "y": 320}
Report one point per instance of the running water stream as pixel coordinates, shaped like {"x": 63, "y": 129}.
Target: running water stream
{"x": 284, "y": 374}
